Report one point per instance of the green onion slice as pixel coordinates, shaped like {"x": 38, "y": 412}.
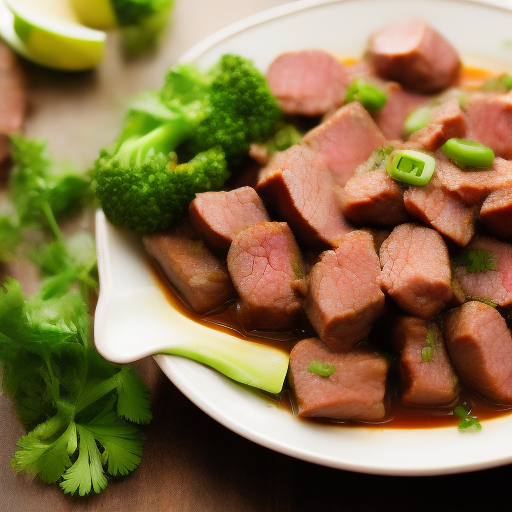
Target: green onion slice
{"x": 417, "y": 120}
{"x": 322, "y": 369}
{"x": 412, "y": 167}
{"x": 468, "y": 153}
{"x": 371, "y": 98}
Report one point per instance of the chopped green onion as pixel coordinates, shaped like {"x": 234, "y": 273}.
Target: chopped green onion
{"x": 500, "y": 84}
{"x": 426, "y": 354}
{"x": 379, "y": 155}
{"x": 371, "y": 98}
{"x": 417, "y": 120}
{"x": 476, "y": 260}
{"x": 322, "y": 369}
{"x": 412, "y": 167}
{"x": 468, "y": 423}
{"x": 468, "y": 153}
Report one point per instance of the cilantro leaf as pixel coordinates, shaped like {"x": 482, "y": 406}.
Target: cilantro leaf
{"x": 10, "y": 238}
{"x": 82, "y": 407}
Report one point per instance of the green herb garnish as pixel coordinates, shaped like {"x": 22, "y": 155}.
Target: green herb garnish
{"x": 476, "y": 260}
{"x": 468, "y": 423}
{"x": 322, "y": 369}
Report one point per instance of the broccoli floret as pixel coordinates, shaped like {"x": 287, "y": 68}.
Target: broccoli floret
{"x": 132, "y": 12}
{"x": 154, "y": 190}
{"x": 209, "y": 119}
{"x": 241, "y": 110}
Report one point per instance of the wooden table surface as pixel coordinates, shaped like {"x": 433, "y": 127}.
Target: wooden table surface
{"x": 190, "y": 462}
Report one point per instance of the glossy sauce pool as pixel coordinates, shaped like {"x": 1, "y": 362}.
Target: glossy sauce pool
{"x": 398, "y": 417}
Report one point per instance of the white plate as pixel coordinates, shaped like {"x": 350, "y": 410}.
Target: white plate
{"x": 477, "y": 30}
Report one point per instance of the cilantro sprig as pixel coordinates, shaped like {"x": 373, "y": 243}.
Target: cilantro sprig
{"x": 82, "y": 412}
{"x": 476, "y": 260}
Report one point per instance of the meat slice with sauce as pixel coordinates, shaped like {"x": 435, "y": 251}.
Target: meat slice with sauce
{"x": 490, "y": 122}
{"x": 496, "y": 212}
{"x": 433, "y": 205}
{"x": 346, "y": 140}
{"x": 307, "y": 82}
{"x": 197, "y": 274}
{"x": 416, "y": 270}
{"x": 472, "y": 185}
{"x": 412, "y": 53}
{"x": 268, "y": 272}
{"x": 373, "y": 197}
{"x": 448, "y": 121}
{"x": 13, "y": 99}
{"x": 220, "y": 216}
{"x": 486, "y": 272}
{"x": 345, "y": 298}
{"x": 298, "y": 185}
{"x": 480, "y": 348}
{"x": 353, "y": 386}
{"x": 400, "y": 103}
{"x": 427, "y": 378}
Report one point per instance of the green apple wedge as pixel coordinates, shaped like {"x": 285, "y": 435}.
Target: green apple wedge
{"x": 50, "y": 34}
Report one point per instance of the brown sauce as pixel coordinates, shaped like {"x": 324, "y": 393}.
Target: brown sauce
{"x": 398, "y": 415}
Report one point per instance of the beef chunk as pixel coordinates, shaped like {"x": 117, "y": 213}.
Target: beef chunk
{"x": 400, "y": 103}
{"x": 472, "y": 185}
{"x": 267, "y": 270}
{"x": 346, "y": 140}
{"x": 344, "y": 296}
{"x": 425, "y": 381}
{"x": 199, "y": 276}
{"x": 433, "y": 205}
{"x": 416, "y": 270}
{"x": 355, "y": 390}
{"x": 411, "y": 52}
{"x": 448, "y": 121}
{"x": 300, "y": 187}
{"x": 219, "y": 216}
{"x": 494, "y": 281}
{"x": 307, "y": 82}
{"x": 373, "y": 198}
{"x": 490, "y": 122}
{"x": 13, "y": 98}
{"x": 496, "y": 212}
{"x": 480, "y": 348}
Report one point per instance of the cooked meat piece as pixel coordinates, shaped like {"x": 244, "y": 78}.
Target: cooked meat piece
{"x": 355, "y": 390}
{"x": 411, "y": 52}
{"x": 400, "y": 103}
{"x": 490, "y": 122}
{"x": 472, "y": 185}
{"x": 298, "y": 185}
{"x": 416, "y": 270}
{"x": 373, "y": 197}
{"x": 13, "y": 98}
{"x": 447, "y": 122}
{"x": 344, "y": 296}
{"x": 346, "y": 140}
{"x": 219, "y": 216}
{"x": 496, "y": 212}
{"x": 433, "y": 205}
{"x": 494, "y": 283}
{"x": 199, "y": 276}
{"x": 480, "y": 347}
{"x": 307, "y": 82}
{"x": 267, "y": 270}
{"x": 425, "y": 381}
